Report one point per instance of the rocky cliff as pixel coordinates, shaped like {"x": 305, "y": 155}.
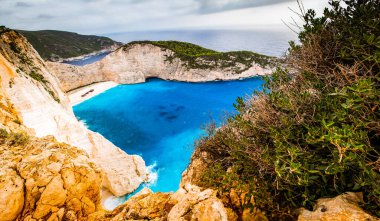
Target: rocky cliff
{"x": 36, "y": 96}
{"x": 136, "y": 62}
{"x": 43, "y": 179}
{"x": 59, "y": 177}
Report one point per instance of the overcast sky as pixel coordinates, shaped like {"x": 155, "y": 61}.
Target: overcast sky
{"x": 110, "y": 16}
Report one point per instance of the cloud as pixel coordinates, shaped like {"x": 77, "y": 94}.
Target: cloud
{"x": 45, "y": 16}
{"x": 23, "y": 4}
{"x": 209, "y": 6}
{"x": 109, "y": 16}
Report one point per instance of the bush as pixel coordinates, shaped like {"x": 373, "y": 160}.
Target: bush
{"x": 198, "y": 57}
{"x": 3, "y": 133}
{"x": 18, "y": 139}
{"x": 313, "y": 132}
{"x": 14, "y": 47}
{"x": 38, "y": 77}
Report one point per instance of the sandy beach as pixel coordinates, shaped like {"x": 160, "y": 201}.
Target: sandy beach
{"x": 84, "y": 93}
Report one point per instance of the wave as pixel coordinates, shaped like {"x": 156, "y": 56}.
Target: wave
{"x": 152, "y": 175}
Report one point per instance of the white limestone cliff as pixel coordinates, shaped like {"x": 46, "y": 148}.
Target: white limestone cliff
{"x": 137, "y": 62}
{"x": 43, "y": 107}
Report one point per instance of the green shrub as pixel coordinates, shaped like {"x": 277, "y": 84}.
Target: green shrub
{"x": 14, "y": 47}
{"x": 198, "y": 57}
{"x": 54, "y": 96}
{"x": 3, "y": 133}
{"x": 41, "y": 78}
{"x": 18, "y": 139}
{"x": 313, "y": 132}
{"x": 38, "y": 77}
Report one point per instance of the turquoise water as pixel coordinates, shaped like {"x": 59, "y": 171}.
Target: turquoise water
{"x": 160, "y": 120}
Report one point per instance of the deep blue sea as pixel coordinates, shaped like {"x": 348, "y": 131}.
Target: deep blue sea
{"x": 160, "y": 120}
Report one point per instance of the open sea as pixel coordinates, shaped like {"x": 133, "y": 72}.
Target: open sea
{"x": 160, "y": 120}
{"x": 268, "y": 42}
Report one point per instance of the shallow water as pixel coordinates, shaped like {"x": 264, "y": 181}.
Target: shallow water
{"x": 160, "y": 120}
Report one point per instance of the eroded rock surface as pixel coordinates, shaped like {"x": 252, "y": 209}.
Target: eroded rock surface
{"x": 34, "y": 93}
{"x": 137, "y": 62}
{"x": 188, "y": 203}
{"x": 341, "y": 208}
{"x": 44, "y": 179}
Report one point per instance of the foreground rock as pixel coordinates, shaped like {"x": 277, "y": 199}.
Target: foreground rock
{"x": 47, "y": 180}
{"x": 35, "y": 95}
{"x": 41, "y": 179}
{"x": 188, "y": 203}
{"x": 341, "y": 208}
{"x": 136, "y": 62}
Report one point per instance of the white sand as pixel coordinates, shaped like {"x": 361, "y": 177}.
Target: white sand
{"x": 84, "y": 93}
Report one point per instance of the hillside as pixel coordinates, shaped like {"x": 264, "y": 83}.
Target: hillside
{"x": 53, "y": 168}
{"x": 306, "y": 148}
{"x": 34, "y": 94}
{"x": 313, "y": 132}
{"x": 54, "y": 45}
{"x": 195, "y": 56}
{"x": 168, "y": 60}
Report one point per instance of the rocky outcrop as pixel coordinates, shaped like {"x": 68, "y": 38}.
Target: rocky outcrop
{"x": 193, "y": 173}
{"x": 341, "y": 208}
{"x": 35, "y": 95}
{"x": 135, "y": 63}
{"x": 45, "y": 179}
{"x": 188, "y": 203}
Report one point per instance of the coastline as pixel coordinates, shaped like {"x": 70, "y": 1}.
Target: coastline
{"x": 106, "y": 50}
{"x": 79, "y": 95}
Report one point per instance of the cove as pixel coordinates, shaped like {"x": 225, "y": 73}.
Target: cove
{"x": 160, "y": 120}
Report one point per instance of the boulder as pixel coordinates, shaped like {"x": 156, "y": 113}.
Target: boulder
{"x": 341, "y": 208}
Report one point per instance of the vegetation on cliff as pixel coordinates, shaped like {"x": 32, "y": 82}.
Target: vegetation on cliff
{"x": 16, "y": 50}
{"x": 314, "y": 131}
{"x": 53, "y": 45}
{"x": 196, "y": 56}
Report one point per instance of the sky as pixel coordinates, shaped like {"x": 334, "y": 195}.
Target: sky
{"x": 112, "y": 16}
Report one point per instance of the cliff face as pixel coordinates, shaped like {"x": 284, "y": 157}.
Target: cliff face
{"x": 136, "y": 62}
{"x": 43, "y": 179}
{"x": 35, "y": 95}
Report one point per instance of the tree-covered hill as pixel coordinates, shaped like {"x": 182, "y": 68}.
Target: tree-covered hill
{"x": 53, "y": 45}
